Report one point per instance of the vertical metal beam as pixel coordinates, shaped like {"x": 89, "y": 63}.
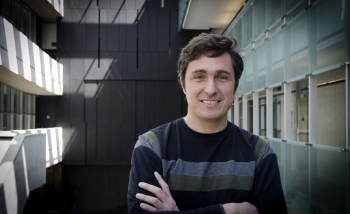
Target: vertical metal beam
{"x": 256, "y": 117}
{"x": 347, "y": 113}
{"x": 287, "y": 123}
{"x": 269, "y": 112}
{"x": 245, "y": 112}
{"x": 236, "y": 112}
{"x": 313, "y": 110}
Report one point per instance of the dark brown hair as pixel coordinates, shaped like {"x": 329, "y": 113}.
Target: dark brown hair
{"x": 210, "y": 45}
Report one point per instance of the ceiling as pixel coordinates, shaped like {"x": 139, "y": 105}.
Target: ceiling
{"x": 209, "y": 14}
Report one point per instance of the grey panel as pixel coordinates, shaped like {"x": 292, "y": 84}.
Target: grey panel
{"x": 150, "y": 102}
{"x": 162, "y": 102}
{"x": 31, "y": 54}
{"x": 17, "y": 43}
{"x": 92, "y": 17}
{"x": 66, "y": 138}
{"x": 102, "y": 143}
{"x": 20, "y": 67}
{"x": 117, "y": 100}
{"x": 116, "y": 68}
{"x": 76, "y": 90}
{"x": 103, "y": 30}
{"x": 164, "y": 65}
{"x": 105, "y": 66}
{"x": 128, "y": 141}
{"x": 91, "y": 137}
{"x": 143, "y": 31}
{"x": 175, "y": 101}
{"x": 73, "y": 4}
{"x": 129, "y": 65}
{"x": 4, "y": 58}
{"x": 117, "y": 4}
{"x": 90, "y": 94}
{"x": 154, "y": 65}
{"x": 63, "y": 58}
{"x": 141, "y": 4}
{"x": 144, "y": 70}
{"x": 115, "y": 143}
{"x": 77, "y": 143}
{"x": 131, "y": 30}
{"x": 129, "y": 5}
{"x": 62, "y": 109}
{"x": 113, "y": 20}
{"x": 152, "y": 20}
{"x": 91, "y": 4}
{"x": 154, "y": 4}
{"x": 90, "y": 65}
{"x": 163, "y": 31}
{"x": 140, "y": 100}
{"x": 123, "y": 30}
{"x": 64, "y": 31}
{"x": 103, "y": 102}
{"x": 129, "y": 92}
{"x": 3, "y": 43}
{"x": 104, "y": 4}
{"x": 79, "y": 30}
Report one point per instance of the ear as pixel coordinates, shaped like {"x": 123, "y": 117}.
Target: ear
{"x": 182, "y": 85}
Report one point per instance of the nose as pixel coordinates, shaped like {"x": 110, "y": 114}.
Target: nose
{"x": 210, "y": 87}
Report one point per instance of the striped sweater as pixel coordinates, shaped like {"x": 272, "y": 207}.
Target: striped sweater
{"x": 204, "y": 171}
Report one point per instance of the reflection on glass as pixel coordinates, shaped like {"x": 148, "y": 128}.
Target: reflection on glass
{"x": 277, "y": 115}
{"x": 250, "y": 116}
{"x": 300, "y": 111}
{"x": 240, "y": 114}
{"x": 262, "y": 113}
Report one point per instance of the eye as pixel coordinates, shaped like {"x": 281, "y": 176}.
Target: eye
{"x": 222, "y": 77}
{"x": 198, "y": 77}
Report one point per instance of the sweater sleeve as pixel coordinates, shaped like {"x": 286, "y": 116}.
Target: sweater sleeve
{"x": 144, "y": 162}
{"x": 268, "y": 192}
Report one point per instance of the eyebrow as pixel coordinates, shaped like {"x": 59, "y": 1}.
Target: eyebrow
{"x": 217, "y": 72}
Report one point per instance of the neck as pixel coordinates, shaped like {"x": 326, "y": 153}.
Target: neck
{"x": 206, "y": 126}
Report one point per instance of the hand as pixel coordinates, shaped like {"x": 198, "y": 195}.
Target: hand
{"x": 240, "y": 208}
{"x": 163, "y": 201}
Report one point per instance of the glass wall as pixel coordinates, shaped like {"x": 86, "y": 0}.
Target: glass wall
{"x": 17, "y": 109}
{"x": 20, "y": 16}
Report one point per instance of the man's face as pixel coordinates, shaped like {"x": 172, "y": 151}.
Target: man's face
{"x": 209, "y": 87}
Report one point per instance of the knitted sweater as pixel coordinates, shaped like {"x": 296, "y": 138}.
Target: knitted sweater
{"x": 204, "y": 171}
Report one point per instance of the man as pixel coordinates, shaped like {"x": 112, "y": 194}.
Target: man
{"x": 202, "y": 163}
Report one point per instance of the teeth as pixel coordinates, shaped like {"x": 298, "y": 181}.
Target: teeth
{"x": 210, "y": 101}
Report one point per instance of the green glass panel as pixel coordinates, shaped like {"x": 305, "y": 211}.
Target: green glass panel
{"x": 296, "y": 47}
{"x": 259, "y": 18}
{"x": 297, "y": 176}
{"x": 259, "y": 66}
{"x": 328, "y": 35}
{"x": 274, "y": 11}
{"x": 278, "y": 148}
{"x": 237, "y": 34}
{"x": 247, "y": 28}
{"x": 328, "y": 180}
{"x": 290, "y": 5}
{"x": 247, "y": 81}
{"x": 275, "y": 58}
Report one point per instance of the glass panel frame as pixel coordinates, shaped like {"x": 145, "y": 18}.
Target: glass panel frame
{"x": 274, "y": 12}
{"x": 275, "y": 58}
{"x": 260, "y": 67}
{"x": 259, "y": 18}
{"x": 247, "y": 28}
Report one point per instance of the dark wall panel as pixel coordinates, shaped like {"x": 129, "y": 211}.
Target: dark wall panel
{"x": 90, "y": 65}
{"x": 163, "y": 28}
{"x": 131, "y": 30}
{"x": 76, "y": 65}
{"x": 129, "y": 65}
{"x": 105, "y": 66}
{"x": 162, "y": 102}
{"x": 115, "y": 143}
{"x": 128, "y": 141}
{"x": 143, "y": 31}
{"x": 150, "y": 104}
{"x": 113, "y": 21}
{"x": 140, "y": 101}
{"x": 91, "y": 143}
{"x": 64, "y": 60}
{"x": 129, "y": 105}
{"x": 90, "y": 95}
{"x": 76, "y": 100}
{"x": 117, "y": 4}
{"x": 102, "y": 145}
{"x": 104, "y": 4}
{"x": 117, "y": 99}
{"x": 77, "y": 143}
{"x": 152, "y": 20}
{"x": 92, "y": 17}
{"x": 64, "y": 40}
{"x": 123, "y": 30}
{"x": 144, "y": 63}
{"x": 116, "y": 65}
{"x": 175, "y": 101}
{"x": 154, "y": 65}
{"x": 103, "y": 30}
{"x": 103, "y": 102}
{"x": 79, "y": 30}
{"x": 163, "y": 65}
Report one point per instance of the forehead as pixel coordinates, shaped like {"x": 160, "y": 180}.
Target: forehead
{"x": 211, "y": 65}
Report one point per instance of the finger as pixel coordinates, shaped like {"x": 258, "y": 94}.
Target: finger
{"x": 149, "y": 199}
{"x": 148, "y": 208}
{"x": 153, "y": 189}
{"x": 163, "y": 184}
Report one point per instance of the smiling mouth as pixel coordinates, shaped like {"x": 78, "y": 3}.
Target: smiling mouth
{"x": 210, "y": 101}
